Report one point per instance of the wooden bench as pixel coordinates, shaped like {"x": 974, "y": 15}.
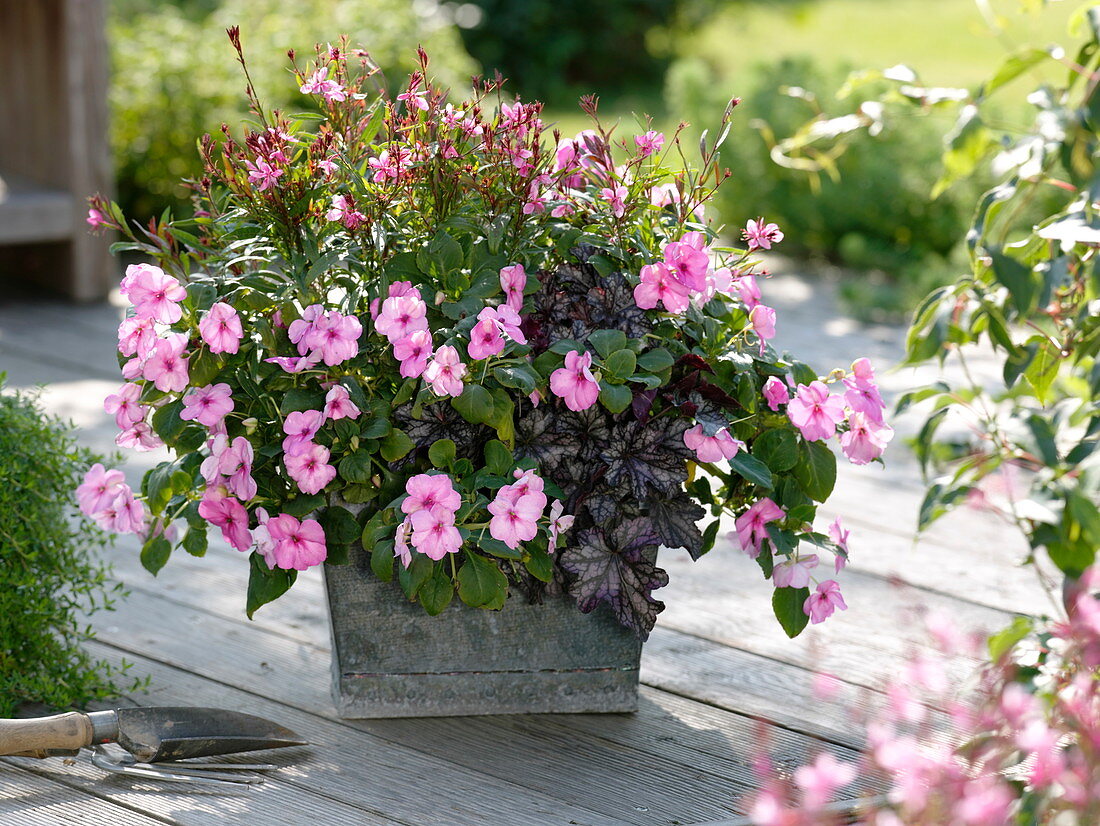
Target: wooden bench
{"x": 53, "y": 145}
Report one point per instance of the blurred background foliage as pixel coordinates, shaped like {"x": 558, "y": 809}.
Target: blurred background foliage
{"x": 175, "y": 78}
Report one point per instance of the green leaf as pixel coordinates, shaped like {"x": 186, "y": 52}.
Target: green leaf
{"x": 381, "y": 560}
{"x": 396, "y": 446}
{"x": 1012, "y": 67}
{"x": 265, "y": 584}
{"x": 1021, "y": 281}
{"x": 566, "y": 345}
{"x": 437, "y": 592}
{"x": 414, "y": 577}
{"x": 440, "y": 257}
{"x": 498, "y": 458}
{"x": 442, "y": 453}
{"x": 297, "y": 399}
{"x": 615, "y": 397}
{"x": 787, "y": 604}
{"x": 751, "y": 468}
{"x": 816, "y": 470}
{"x": 520, "y": 376}
{"x": 194, "y": 541}
{"x": 481, "y": 584}
{"x": 356, "y": 468}
{"x": 155, "y": 553}
{"x": 621, "y": 364}
{"x": 167, "y": 422}
{"x": 340, "y": 525}
{"x": 940, "y": 498}
{"x": 475, "y": 404}
{"x": 710, "y": 534}
{"x": 1043, "y": 433}
{"x": 203, "y": 367}
{"x": 777, "y": 448}
{"x": 1005, "y": 640}
{"x": 539, "y": 564}
{"x": 656, "y": 360}
{"x": 1042, "y": 371}
{"x": 498, "y": 548}
{"x": 376, "y": 427}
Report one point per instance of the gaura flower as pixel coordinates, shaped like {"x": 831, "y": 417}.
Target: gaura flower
{"x": 760, "y": 235}
{"x": 574, "y": 382}
{"x": 814, "y": 412}
{"x": 649, "y": 143}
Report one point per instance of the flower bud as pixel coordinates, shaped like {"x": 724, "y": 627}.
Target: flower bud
{"x": 440, "y": 297}
{"x": 250, "y": 425}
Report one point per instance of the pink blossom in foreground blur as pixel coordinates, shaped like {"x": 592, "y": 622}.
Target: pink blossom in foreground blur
{"x": 297, "y": 545}
{"x": 574, "y": 382}
{"x": 814, "y": 412}
{"x": 752, "y": 525}
{"x": 762, "y": 320}
{"x": 761, "y": 235}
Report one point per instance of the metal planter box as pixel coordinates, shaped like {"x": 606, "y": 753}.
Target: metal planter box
{"x": 390, "y": 659}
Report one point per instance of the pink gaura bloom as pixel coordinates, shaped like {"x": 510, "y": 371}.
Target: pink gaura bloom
{"x": 821, "y": 779}
{"x": 300, "y": 427}
{"x": 513, "y": 280}
{"x": 434, "y": 535}
{"x": 649, "y": 143}
{"x": 337, "y": 337}
{"x": 166, "y": 366}
{"x": 262, "y": 174}
{"x": 140, "y": 437}
{"x": 388, "y": 165}
{"x": 227, "y": 513}
{"x": 308, "y": 467}
{"x": 616, "y": 197}
{"x": 431, "y": 492}
{"x": 559, "y": 524}
{"x": 688, "y": 261}
{"x": 235, "y": 468}
{"x": 865, "y": 440}
{"x": 821, "y": 604}
{"x": 124, "y": 405}
{"x": 760, "y": 235}
{"x": 664, "y": 195}
{"x": 319, "y": 84}
{"x": 814, "y": 412}
{"x": 137, "y": 336}
{"x": 415, "y": 99}
{"x": 840, "y": 535}
{"x": 485, "y": 340}
{"x": 343, "y": 211}
{"x": 297, "y": 545}
{"x": 413, "y": 352}
{"x": 515, "y": 521}
{"x": 714, "y": 448}
{"x": 338, "y": 404}
{"x": 748, "y": 290}
{"x": 96, "y": 219}
{"x": 794, "y": 572}
{"x": 207, "y": 405}
{"x": 752, "y": 525}
{"x": 536, "y": 200}
{"x": 574, "y": 382}
{"x": 221, "y": 329}
{"x": 658, "y": 286}
{"x": 445, "y": 371}
{"x": 776, "y": 392}
{"x": 400, "y": 316}
{"x": 296, "y": 365}
{"x": 99, "y": 489}
{"x": 762, "y": 319}
{"x": 154, "y": 293}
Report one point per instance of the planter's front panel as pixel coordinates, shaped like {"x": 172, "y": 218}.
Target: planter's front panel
{"x": 390, "y": 659}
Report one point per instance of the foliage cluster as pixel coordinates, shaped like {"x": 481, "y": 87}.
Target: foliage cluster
{"x": 52, "y": 579}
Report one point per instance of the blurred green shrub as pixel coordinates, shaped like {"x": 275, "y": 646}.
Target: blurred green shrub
{"x": 875, "y": 215}
{"x": 50, "y": 578}
{"x": 175, "y": 75}
{"x": 556, "y": 50}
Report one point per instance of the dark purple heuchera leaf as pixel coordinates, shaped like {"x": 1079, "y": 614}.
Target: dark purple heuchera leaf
{"x": 708, "y": 414}
{"x": 441, "y": 421}
{"x": 615, "y": 567}
{"x": 614, "y": 308}
{"x": 536, "y": 439}
{"x": 648, "y": 457}
{"x": 674, "y": 522}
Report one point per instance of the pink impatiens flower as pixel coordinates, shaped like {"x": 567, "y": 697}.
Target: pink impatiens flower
{"x": 748, "y": 290}
{"x": 821, "y": 604}
{"x": 338, "y": 404}
{"x": 100, "y": 488}
{"x": 337, "y": 337}
{"x": 235, "y": 468}
{"x": 445, "y": 371}
{"x": 221, "y": 329}
{"x": 166, "y": 366}
{"x": 865, "y": 440}
{"x": 760, "y": 235}
{"x": 515, "y": 518}
{"x": 794, "y": 572}
{"x": 513, "y": 279}
{"x": 154, "y": 293}
{"x": 296, "y": 365}
{"x": 840, "y": 535}
{"x": 297, "y": 545}
{"x": 434, "y": 535}
{"x": 123, "y": 514}
{"x": 300, "y": 427}
{"x": 401, "y": 542}
{"x": 319, "y": 84}
{"x": 208, "y": 405}
{"x": 658, "y": 285}
{"x": 124, "y": 405}
{"x": 752, "y": 525}
{"x": 574, "y": 382}
{"x": 485, "y": 340}
{"x": 559, "y": 524}
{"x": 401, "y": 315}
{"x": 762, "y": 319}
{"x": 308, "y": 467}
{"x": 776, "y": 392}
{"x": 413, "y": 352}
{"x": 506, "y": 320}
{"x": 227, "y": 513}
{"x": 140, "y": 437}
{"x": 862, "y": 394}
{"x": 688, "y": 261}
{"x": 434, "y": 493}
{"x": 714, "y": 448}
{"x": 814, "y": 412}
{"x": 137, "y": 336}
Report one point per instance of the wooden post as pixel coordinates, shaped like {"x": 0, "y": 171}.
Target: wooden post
{"x": 54, "y": 151}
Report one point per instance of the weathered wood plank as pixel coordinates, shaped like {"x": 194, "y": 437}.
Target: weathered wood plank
{"x": 29, "y": 799}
